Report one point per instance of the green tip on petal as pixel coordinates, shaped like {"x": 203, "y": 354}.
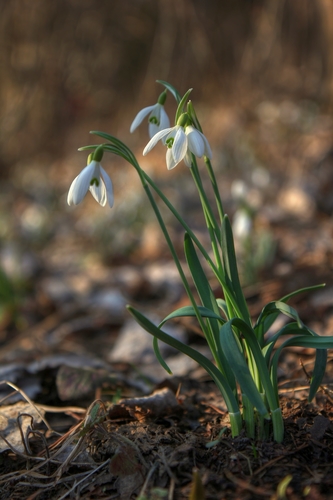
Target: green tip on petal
{"x": 98, "y": 154}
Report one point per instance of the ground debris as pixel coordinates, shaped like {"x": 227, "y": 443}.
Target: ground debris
{"x": 142, "y": 450}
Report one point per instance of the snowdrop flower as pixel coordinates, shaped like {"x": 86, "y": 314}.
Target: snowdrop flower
{"x": 181, "y": 141}
{"x": 158, "y": 119}
{"x": 93, "y": 178}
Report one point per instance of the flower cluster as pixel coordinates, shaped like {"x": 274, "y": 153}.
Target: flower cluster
{"x": 182, "y": 141}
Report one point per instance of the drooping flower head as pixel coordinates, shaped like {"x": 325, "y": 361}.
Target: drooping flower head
{"x": 158, "y": 119}
{"x": 93, "y": 178}
{"x": 182, "y": 141}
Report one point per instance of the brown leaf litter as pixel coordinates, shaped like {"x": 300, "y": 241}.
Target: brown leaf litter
{"x": 173, "y": 445}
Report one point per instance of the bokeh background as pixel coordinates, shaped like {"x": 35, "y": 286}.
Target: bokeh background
{"x": 262, "y": 74}
{"x": 71, "y": 64}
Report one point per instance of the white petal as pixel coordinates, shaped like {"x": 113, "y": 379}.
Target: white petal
{"x": 164, "y": 119}
{"x": 195, "y": 141}
{"x": 154, "y": 140}
{"x": 188, "y": 158}
{"x": 161, "y": 118}
{"x": 108, "y": 187}
{"x": 80, "y": 185}
{"x": 70, "y": 192}
{"x": 208, "y": 151}
{"x": 99, "y": 193}
{"x": 140, "y": 117}
{"x": 170, "y": 160}
{"x": 153, "y": 129}
{"x": 179, "y": 147}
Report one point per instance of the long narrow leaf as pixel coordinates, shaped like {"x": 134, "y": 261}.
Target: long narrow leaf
{"x": 189, "y": 311}
{"x": 318, "y": 372}
{"x": 239, "y": 366}
{"x": 216, "y": 375}
{"x": 301, "y": 290}
{"x": 208, "y": 300}
{"x": 315, "y": 342}
{"x": 230, "y": 267}
{"x": 269, "y": 314}
{"x": 171, "y": 89}
{"x": 159, "y": 356}
{"x": 199, "y": 277}
{"x": 180, "y": 109}
{"x": 321, "y": 355}
{"x": 289, "y": 329}
{"x": 263, "y": 327}
{"x": 252, "y": 342}
{"x": 223, "y": 306}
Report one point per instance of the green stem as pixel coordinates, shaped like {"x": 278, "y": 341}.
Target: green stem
{"x": 184, "y": 224}
{"x": 174, "y": 254}
{"x": 219, "y": 273}
{"x": 278, "y": 426}
{"x": 203, "y": 198}
{"x": 215, "y": 187}
{"x": 248, "y": 416}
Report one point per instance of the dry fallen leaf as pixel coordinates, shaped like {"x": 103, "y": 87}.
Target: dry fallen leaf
{"x": 9, "y": 425}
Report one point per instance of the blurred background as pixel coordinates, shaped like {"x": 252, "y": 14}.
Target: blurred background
{"x": 262, "y": 74}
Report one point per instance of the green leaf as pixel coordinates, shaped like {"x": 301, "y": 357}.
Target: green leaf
{"x": 230, "y": 268}
{"x": 269, "y": 320}
{"x": 321, "y": 355}
{"x": 223, "y": 306}
{"x": 171, "y": 89}
{"x": 159, "y": 356}
{"x": 269, "y": 314}
{"x": 239, "y": 366}
{"x": 302, "y": 290}
{"x": 104, "y": 135}
{"x": 199, "y": 277}
{"x": 193, "y": 116}
{"x": 310, "y": 341}
{"x": 318, "y": 372}
{"x": 241, "y": 370}
{"x": 216, "y": 375}
{"x": 180, "y": 109}
{"x": 190, "y": 311}
{"x": 289, "y": 329}
{"x": 208, "y": 300}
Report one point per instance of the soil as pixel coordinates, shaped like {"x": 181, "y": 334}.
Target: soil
{"x": 186, "y": 452}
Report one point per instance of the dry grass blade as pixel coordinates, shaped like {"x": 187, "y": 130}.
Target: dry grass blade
{"x": 88, "y": 475}
{"x": 26, "y": 397}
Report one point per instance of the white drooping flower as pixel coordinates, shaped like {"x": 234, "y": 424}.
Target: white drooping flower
{"x": 181, "y": 143}
{"x": 93, "y": 178}
{"x": 158, "y": 119}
